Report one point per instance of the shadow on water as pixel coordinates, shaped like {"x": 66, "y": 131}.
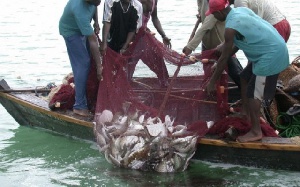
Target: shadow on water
{"x": 189, "y": 178}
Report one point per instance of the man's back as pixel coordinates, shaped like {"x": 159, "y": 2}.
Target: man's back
{"x": 266, "y": 9}
{"x": 259, "y": 40}
{"x": 76, "y": 18}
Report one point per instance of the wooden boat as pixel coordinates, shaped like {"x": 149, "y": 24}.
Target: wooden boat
{"x": 30, "y": 109}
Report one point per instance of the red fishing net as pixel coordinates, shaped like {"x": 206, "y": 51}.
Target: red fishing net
{"x": 184, "y": 99}
{"x": 185, "y": 95}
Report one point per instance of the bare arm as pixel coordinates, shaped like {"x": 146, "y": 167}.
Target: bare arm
{"x": 195, "y": 28}
{"x": 96, "y": 22}
{"x": 105, "y": 31}
{"x": 222, "y": 61}
{"x": 129, "y": 38}
{"x": 159, "y": 28}
{"x": 93, "y": 41}
{"x": 208, "y": 23}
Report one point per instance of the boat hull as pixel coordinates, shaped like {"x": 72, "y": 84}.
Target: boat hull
{"x": 27, "y": 114}
{"x": 273, "y": 153}
{"x": 260, "y": 158}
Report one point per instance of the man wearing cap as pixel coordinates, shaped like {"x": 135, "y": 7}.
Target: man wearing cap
{"x": 265, "y": 50}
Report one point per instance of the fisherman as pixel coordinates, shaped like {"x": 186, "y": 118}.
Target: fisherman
{"x": 80, "y": 38}
{"x": 267, "y": 54}
{"x": 149, "y": 49}
{"x": 121, "y": 20}
{"x": 211, "y": 34}
{"x": 268, "y": 11}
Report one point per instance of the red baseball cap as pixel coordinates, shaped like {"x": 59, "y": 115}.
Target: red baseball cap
{"x": 216, "y": 5}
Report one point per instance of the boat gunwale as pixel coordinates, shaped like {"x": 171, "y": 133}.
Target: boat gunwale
{"x": 46, "y": 111}
{"x": 206, "y": 141}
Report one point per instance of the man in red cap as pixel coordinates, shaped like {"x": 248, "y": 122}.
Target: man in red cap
{"x": 266, "y": 52}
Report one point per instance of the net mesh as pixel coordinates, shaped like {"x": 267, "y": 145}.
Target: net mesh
{"x": 184, "y": 99}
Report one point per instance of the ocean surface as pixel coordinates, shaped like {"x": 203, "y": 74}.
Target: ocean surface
{"x": 32, "y": 53}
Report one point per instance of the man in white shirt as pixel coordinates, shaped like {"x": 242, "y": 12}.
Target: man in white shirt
{"x": 268, "y": 11}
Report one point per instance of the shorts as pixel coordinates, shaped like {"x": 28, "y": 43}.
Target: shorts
{"x": 259, "y": 87}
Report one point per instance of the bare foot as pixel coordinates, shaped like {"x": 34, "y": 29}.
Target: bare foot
{"x": 250, "y": 137}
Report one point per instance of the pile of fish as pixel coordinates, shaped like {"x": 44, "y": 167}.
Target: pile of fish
{"x": 132, "y": 141}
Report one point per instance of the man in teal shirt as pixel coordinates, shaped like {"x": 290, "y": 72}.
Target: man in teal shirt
{"x": 266, "y": 52}
{"x": 75, "y": 27}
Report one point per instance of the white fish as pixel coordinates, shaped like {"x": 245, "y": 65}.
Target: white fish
{"x": 134, "y": 116}
{"x": 105, "y": 116}
{"x": 186, "y": 139}
{"x": 107, "y": 157}
{"x": 187, "y": 161}
{"x": 210, "y": 124}
{"x": 170, "y": 129}
{"x": 184, "y": 148}
{"x": 136, "y": 164}
{"x": 101, "y": 140}
{"x": 164, "y": 166}
{"x": 122, "y": 120}
{"x": 178, "y": 162}
{"x": 141, "y": 119}
{"x": 157, "y": 129}
{"x": 180, "y": 127}
{"x": 180, "y": 132}
{"x": 168, "y": 121}
{"x": 114, "y": 160}
{"x": 136, "y": 125}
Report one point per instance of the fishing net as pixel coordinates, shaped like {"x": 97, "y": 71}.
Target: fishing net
{"x": 186, "y": 101}
{"x": 183, "y": 97}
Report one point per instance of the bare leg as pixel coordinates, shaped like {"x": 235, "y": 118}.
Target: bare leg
{"x": 255, "y": 132}
{"x": 245, "y": 108}
{"x": 244, "y": 113}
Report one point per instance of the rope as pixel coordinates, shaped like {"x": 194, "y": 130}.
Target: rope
{"x": 291, "y": 126}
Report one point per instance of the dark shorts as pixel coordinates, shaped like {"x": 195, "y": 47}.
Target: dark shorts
{"x": 259, "y": 87}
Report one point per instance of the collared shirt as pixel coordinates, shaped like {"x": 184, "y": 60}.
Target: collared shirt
{"x": 259, "y": 40}
{"x": 266, "y": 9}
{"x": 76, "y": 18}
{"x": 211, "y": 32}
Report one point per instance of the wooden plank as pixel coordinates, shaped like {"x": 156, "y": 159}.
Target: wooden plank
{"x": 275, "y": 140}
{"x": 250, "y": 145}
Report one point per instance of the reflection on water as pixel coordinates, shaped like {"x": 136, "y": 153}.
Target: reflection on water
{"x": 33, "y": 54}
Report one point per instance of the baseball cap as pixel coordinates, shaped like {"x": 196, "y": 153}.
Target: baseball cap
{"x": 216, "y": 5}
